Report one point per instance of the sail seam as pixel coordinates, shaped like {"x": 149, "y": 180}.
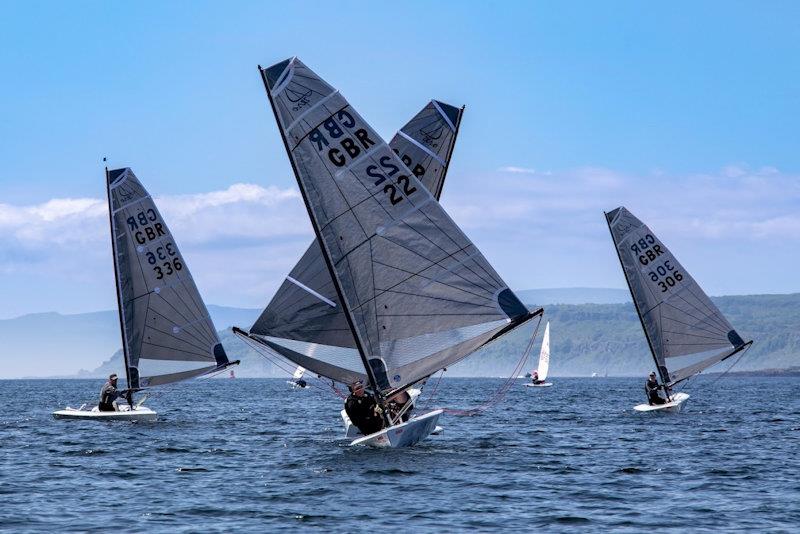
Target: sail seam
{"x": 129, "y": 204}
{"x": 444, "y": 115}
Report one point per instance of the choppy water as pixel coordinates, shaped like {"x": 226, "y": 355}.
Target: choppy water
{"x": 253, "y": 455}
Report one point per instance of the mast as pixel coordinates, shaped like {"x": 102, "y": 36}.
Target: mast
{"x": 356, "y": 335}
{"x": 438, "y": 194}
{"x": 117, "y": 283}
{"x": 664, "y": 380}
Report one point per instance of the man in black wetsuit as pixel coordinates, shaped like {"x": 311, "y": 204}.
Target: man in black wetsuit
{"x": 652, "y": 387}
{"x": 110, "y": 393}
{"x": 363, "y": 411}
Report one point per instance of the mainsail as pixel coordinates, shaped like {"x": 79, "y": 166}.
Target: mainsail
{"x": 544, "y": 355}
{"x": 680, "y": 322}
{"x": 416, "y": 294}
{"x": 167, "y": 332}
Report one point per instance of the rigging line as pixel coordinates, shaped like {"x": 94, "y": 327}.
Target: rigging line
{"x": 718, "y": 333}
{"x": 500, "y": 393}
{"x": 211, "y": 336}
{"x": 260, "y": 350}
{"x": 698, "y": 319}
{"x": 201, "y": 336}
{"x": 424, "y": 277}
{"x": 713, "y": 313}
{"x": 439, "y": 264}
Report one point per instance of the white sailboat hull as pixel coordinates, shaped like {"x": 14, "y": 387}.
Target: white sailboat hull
{"x": 405, "y": 434}
{"x": 543, "y": 385}
{"x": 295, "y": 385}
{"x": 124, "y": 413}
{"x": 675, "y": 406}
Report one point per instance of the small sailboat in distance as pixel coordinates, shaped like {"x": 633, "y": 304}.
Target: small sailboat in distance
{"x": 539, "y": 375}
{"x": 682, "y": 326}
{"x": 415, "y": 293}
{"x": 167, "y": 333}
{"x": 297, "y": 381}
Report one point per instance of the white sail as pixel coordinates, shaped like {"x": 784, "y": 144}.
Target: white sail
{"x": 299, "y": 372}
{"x": 167, "y": 332}
{"x": 544, "y": 355}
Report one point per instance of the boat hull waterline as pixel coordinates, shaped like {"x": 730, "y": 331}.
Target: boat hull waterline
{"x": 675, "y": 406}
{"x": 406, "y": 434}
{"x": 138, "y": 413}
{"x": 544, "y": 385}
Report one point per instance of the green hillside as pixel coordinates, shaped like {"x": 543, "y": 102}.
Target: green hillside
{"x": 597, "y": 338}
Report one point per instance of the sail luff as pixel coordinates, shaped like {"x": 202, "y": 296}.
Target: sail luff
{"x": 325, "y": 253}
{"x": 664, "y": 379}
{"x": 117, "y": 285}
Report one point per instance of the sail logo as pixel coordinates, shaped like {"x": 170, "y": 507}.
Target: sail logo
{"x": 431, "y": 135}
{"x": 300, "y": 100}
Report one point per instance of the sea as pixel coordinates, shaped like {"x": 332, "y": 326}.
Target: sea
{"x": 254, "y": 455}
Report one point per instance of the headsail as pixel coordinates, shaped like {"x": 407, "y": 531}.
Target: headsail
{"x": 306, "y": 308}
{"x": 679, "y": 320}
{"x": 167, "y": 331}
{"x": 299, "y": 372}
{"x": 416, "y": 292}
{"x": 544, "y": 355}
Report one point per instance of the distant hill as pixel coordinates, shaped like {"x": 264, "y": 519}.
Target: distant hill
{"x": 52, "y": 344}
{"x": 585, "y": 338}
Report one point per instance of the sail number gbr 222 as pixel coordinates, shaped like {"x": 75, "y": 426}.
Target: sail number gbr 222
{"x": 664, "y": 274}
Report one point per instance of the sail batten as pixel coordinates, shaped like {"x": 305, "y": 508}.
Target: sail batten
{"x": 415, "y": 292}
{"x": 167, "y": 330}
{"x": 678, "y": 318}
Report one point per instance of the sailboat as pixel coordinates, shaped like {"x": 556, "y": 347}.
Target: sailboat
{"x": 682, "y": 326}
{"x": 297, "y": 378}
{"x": 413, "y": 293}
{"x": 428, "y": 157}
{"x": 544, "y": 362}
{"x": 167, "y": 332}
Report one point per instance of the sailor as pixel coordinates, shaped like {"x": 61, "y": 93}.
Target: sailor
{"x": 363, "y": 410}
{"x": 301, "y": 383}
{"x": 109, "y": 394}
{"x": 400, "y": 406}
{"x": 535, "y": 378}
{"x": 651, "y": 387}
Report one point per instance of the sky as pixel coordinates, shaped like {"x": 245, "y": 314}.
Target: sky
{"x": 686, "y": 113}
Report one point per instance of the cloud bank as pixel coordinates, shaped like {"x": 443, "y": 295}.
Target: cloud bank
{"x": 737, "y": 230}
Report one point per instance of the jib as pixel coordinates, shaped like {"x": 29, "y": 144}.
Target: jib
{"x": 647, "y": 249}
{"x": 334, "y": 131}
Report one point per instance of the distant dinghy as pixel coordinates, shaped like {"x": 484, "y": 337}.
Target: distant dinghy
{"x": 167, "y": 333}
{"x": 412, "y": 293}
{"x": 297, "y": 381}
{"x": 544, "y": 362}
{"x": 682, "y": 326}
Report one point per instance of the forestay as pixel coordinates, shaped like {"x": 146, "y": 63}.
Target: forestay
{"x": 544, "y": 355}
{"x": 415, "y": 292}
{"x": 167, "y": 332}
{"x": 680, "y": 321}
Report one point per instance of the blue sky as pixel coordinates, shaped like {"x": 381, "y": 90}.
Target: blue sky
{"x": 685, "y": 113}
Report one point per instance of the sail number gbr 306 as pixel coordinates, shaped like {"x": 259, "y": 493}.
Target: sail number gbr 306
{"x": 660, "y": 270}
{"x": 145, "y": 227}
